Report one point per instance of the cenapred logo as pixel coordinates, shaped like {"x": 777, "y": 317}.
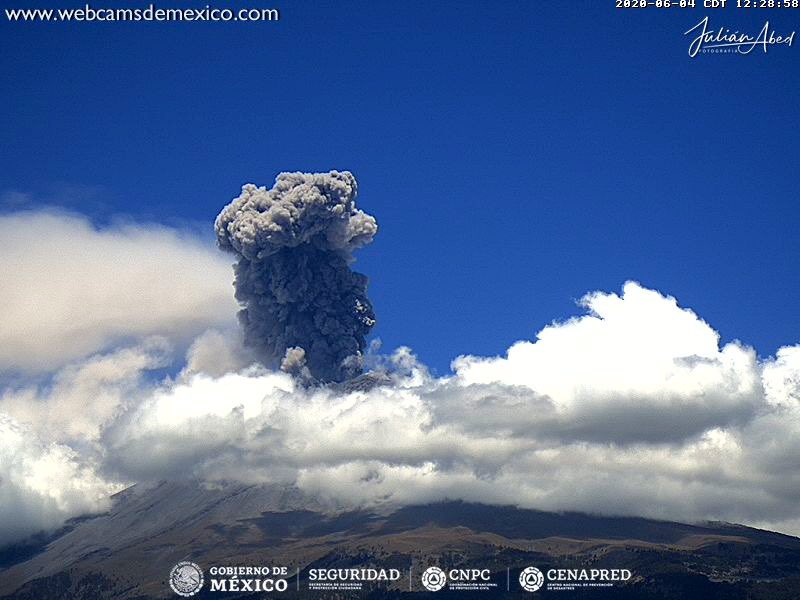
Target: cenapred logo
{"x": 531, "y": 579}
{"x": 186, "y": 578}
{"x": 433, "y": 579}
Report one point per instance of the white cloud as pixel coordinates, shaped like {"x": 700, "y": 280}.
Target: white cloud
{"x": 637, "y": 367}
{"x": 215, "y": 353}
{"x": 71, "y": 289}
{"x": 84, "y": 397}
{"x": 43, "y": 484}
{"x": 630, "y": 409}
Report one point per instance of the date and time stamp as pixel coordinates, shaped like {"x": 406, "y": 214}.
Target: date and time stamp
{"x": 711, "y": 4}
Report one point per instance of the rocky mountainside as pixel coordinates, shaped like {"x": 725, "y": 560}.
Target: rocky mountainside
{"x": 128, "y": 552}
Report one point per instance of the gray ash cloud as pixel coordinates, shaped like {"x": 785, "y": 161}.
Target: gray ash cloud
{"x": 303, "y": 307}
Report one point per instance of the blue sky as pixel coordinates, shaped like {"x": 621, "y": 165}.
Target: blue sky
{"x": 516, "y": 155}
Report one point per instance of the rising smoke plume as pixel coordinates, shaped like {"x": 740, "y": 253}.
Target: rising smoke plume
{"x": 303, "y": 308}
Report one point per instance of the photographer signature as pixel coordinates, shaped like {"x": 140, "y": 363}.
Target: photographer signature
{"x": 741, "y": 43}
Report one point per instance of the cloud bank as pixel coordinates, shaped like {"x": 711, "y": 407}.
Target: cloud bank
{"x": 71, "y": 289}
{"x": 42, "y": 484}
{"x": 633, "y": 408}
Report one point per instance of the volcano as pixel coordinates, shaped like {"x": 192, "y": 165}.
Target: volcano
{"x": 128, "y": 552}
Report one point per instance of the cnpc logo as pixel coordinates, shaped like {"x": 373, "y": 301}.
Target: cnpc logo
{"x": 434, "y": 578}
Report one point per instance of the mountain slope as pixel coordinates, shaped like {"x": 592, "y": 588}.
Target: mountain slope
{"x": 128, "y": 552}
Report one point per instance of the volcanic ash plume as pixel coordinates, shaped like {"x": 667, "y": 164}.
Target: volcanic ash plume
{"x": 302, "y": 305}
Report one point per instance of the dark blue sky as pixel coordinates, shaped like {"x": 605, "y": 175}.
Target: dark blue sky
{"x": 516, "y": 155}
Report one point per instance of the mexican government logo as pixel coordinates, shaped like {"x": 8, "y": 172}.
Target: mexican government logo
{"x": 186, "y": 578}
{"x": 433, "y": 579}
{"x": 531, "y": 579}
